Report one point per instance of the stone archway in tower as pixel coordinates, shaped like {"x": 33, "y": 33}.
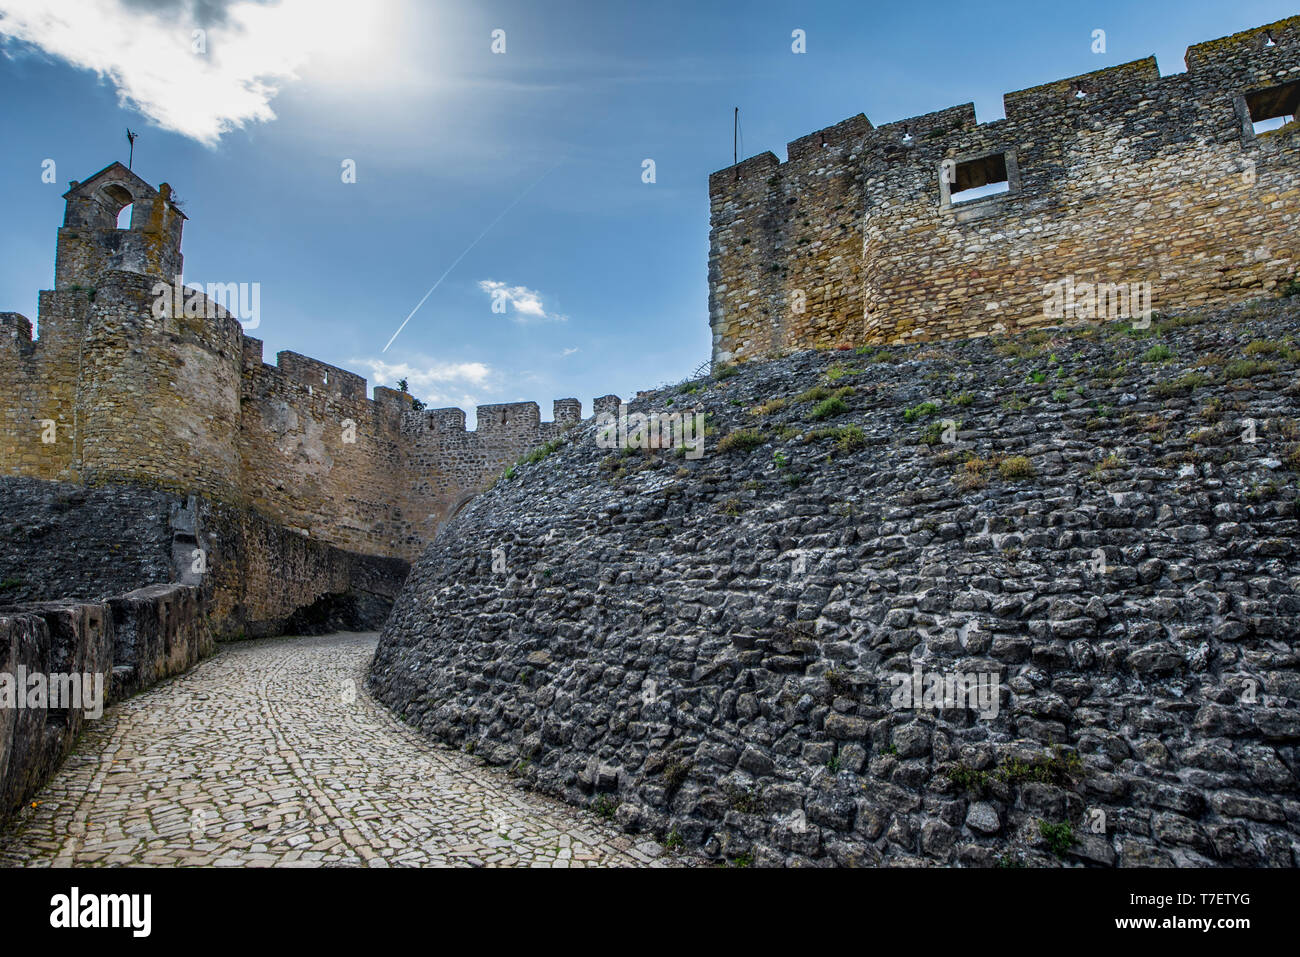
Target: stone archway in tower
{"x": 115, "y": 200}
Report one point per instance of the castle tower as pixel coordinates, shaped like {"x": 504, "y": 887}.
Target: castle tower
{"x": 1174, "y": 190}
{"x": 130, "y": 383}
{"x": 153, "y": 397}
{"x": 90, "y": 243}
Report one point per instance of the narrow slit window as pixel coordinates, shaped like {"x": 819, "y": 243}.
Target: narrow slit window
{"x": 979, "y": 178}
{"x": 1273, "y": 108}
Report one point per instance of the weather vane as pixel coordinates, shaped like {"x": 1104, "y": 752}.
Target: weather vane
{"x": 130, "y": 138}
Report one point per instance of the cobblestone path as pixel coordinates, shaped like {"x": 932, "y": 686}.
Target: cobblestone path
{"x": 271, "y": 753}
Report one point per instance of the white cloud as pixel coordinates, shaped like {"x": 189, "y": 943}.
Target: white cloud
{"x": 147, "y": 50}
{"x": 568, "y": 352}
{"x": 526, "y": 303}
{"x": 436, "y": 383}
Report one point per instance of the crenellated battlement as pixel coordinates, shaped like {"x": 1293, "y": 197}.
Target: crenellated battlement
{"x": 1109, "y": 92}
{"x": 843, "y": 135}
{"x": 295, "y": 371}
{"x": 917, "y": 132}
{"x": 1241, "y": 51}
{"x": 940, "y": 226}
{"x": 1105, "y": 93}
{"x": 136, "y": 379}
{"x": 498, "y": 418}
{"x": 447, "y": 421}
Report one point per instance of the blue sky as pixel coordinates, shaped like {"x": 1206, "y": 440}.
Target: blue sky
{"x": 605, "y": 276}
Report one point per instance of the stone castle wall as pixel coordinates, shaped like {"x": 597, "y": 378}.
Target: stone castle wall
{"x": 185, "y": 403}
{"x": 1142, "y": 178}
{"x": 386, "y": 492}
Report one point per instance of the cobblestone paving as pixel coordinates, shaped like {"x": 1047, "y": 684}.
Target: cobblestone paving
{"x": 271, "y": 753}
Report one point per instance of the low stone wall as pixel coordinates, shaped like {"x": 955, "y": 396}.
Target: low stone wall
{"x": 158, "y": 631}
{"x": 129, "y": 642}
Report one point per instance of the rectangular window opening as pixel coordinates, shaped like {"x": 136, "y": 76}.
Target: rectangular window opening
{"x": 979, "y": 178}
{"x": 1273, "y": 108}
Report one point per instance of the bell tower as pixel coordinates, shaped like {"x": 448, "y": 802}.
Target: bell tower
{"x": 90, "y": 243}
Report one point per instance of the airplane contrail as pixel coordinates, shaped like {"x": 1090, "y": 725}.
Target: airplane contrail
{"x": 500, "y": 217}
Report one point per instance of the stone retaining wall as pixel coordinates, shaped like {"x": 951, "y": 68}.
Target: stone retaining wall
{"x": 1104, "y": 521}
